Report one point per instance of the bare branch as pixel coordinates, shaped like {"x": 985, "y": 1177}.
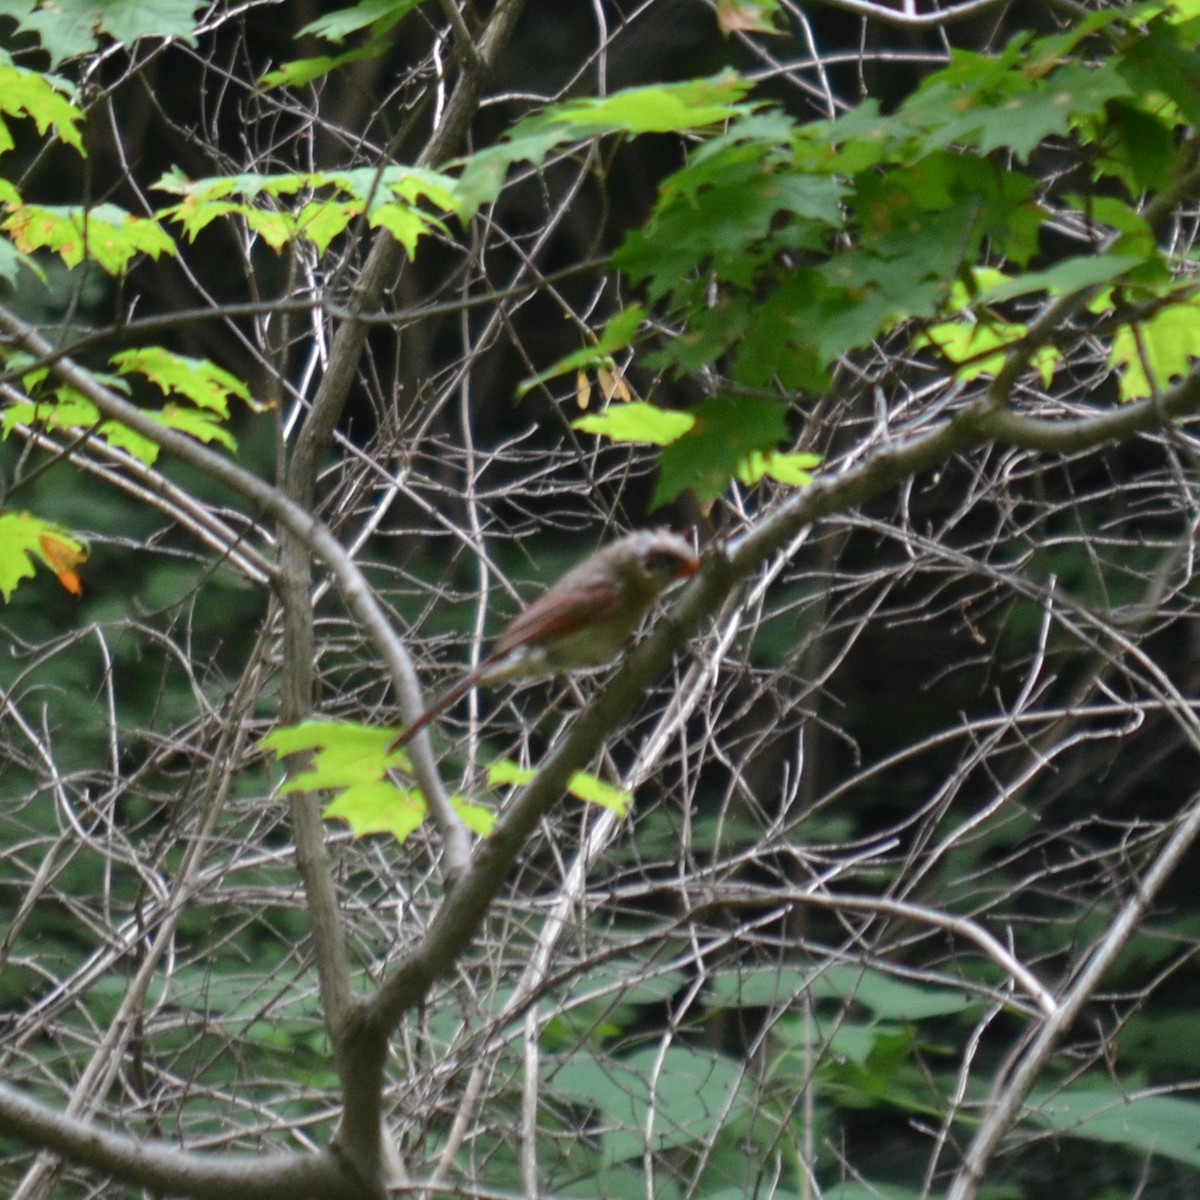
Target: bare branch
{"x": 155, "y": 1165}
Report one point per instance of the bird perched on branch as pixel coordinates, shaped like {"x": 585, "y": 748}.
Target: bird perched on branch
{"x": 584, "y": 620}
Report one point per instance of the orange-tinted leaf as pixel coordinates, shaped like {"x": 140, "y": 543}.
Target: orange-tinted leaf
{"x": 62, "y": 557}
{"x": 26, "y": 539}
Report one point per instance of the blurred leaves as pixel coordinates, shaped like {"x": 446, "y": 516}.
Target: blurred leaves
{"x": 1138, "y": 1122}
{"x": 68, "y": 28}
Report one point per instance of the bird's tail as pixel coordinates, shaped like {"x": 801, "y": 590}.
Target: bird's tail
{"x": 435, "y": 710}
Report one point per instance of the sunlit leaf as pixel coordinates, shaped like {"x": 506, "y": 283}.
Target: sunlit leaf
{"x": 66, "y": 409}
{"x": 349, "y": 753}
{"x": 378, "y": 807}
{"x": 405, "y": 223}
{"x": 507, "y": 773}
{"x": 479, "y": 820}
{"x": 202, "y": 382}
{"x": 352, "y": 759}
{"x": 795, "y": 470}
{"x": 44, "y": 100}
{"x": 595, "y": 791}
{"x": 637, "y": 422}
{"x": 583, "y": 786}
{"x": 1150, "y": 354}
{"x": 203, "y": 426}
{"x": 392, "y": 197}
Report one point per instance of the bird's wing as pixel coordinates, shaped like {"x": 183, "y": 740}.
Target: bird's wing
{"x": 555, "y": 615}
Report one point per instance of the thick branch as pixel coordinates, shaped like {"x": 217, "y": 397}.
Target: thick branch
{"x": 463, "y": 910}
{"x": 455, "y": 923}
{"x": 162, "y": 1168}
{"x": 361, "y": 1051}
{"x": 976, "y": 425}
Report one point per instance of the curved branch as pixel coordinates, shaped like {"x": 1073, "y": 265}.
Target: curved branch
{"x": 153, "y": 489}
{"x": 905, "y": 17}
{"x": 360, "y": 599}
{"x": 1027, "y": 1066}
{"x": 817, "y": 896}
{"x": 976, "y": 425}
{"x": 162, "y": 1168}
{"x": 455, "y": 923}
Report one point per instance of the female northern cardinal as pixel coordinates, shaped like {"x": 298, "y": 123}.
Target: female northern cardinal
{"x": 582, "y": 621}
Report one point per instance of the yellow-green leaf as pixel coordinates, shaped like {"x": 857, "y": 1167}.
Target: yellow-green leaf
{"x": 637, "y": 421}
{"x": 31, "y": 94}
{"x": 793, "y": 469}
{"x": 25, "y": 539}
{"x": 105, "y": 235}
{"x": 591, "y": 790}
{"x": 204, "y": 383}
{"x": 979, "y": 348}
{"x": 1157, "y": 350}
{"x": 352, "y": 759}
{"x": 582, "y": 785}
{"x": 479, "y": 820}
{"x": 349, "y": 754}
{"x": 506, "y": 773}
{"x": 378, "y": 807}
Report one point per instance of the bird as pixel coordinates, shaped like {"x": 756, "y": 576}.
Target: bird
{"x": 582, "y": 621}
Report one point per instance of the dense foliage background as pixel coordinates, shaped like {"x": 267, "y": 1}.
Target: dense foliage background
{"x": 329, "y": 334}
